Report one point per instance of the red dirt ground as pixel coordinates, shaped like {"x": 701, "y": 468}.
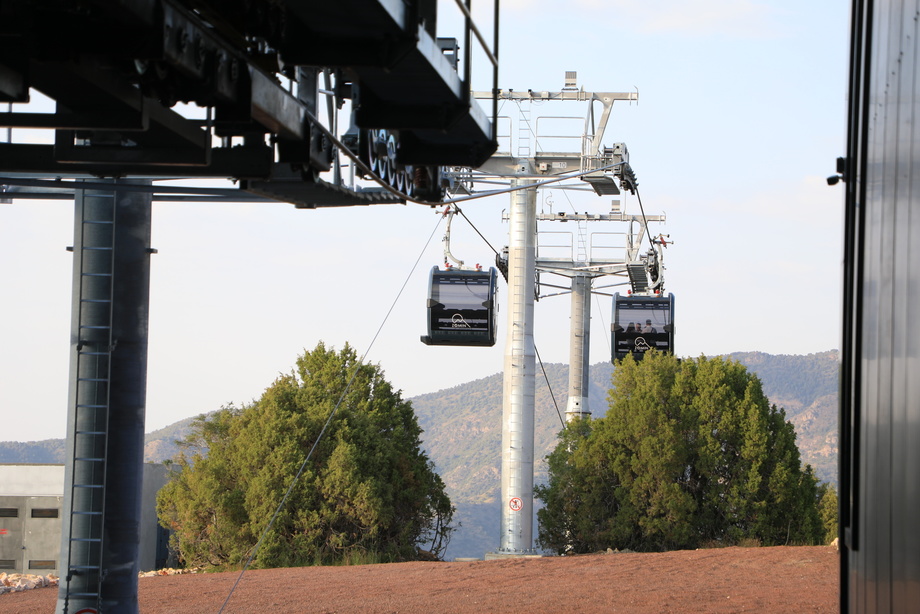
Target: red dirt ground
{"x": 775, "y": 580}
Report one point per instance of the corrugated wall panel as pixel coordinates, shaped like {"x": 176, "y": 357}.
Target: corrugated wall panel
{"x": 901, "y": 515}
{"x": 909, "y": 533}
{"x": 881, "y": 182}
{"x": 883, "y": 565}
{"x": 873, "y": 545}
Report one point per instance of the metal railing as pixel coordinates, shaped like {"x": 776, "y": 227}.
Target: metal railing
{"x": 492, "y": 54}
{"x": 599, "y": 245}
{"x": 538, "y": 135}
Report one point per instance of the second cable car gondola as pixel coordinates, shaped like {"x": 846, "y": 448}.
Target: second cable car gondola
{"x": 642, "y": 323}
{"x": 461, "y": 307}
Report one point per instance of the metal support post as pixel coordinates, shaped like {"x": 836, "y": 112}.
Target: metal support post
{"x": 579, "y": 349}
{"x": 519, "y": 377}
{"x": 108, "y": 383}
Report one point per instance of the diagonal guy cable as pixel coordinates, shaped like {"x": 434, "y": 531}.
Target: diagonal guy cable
{"x": 460, "y": 211}
{"x": 549, "y": 386}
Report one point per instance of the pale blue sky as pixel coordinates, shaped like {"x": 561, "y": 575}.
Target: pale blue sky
{"x": 740, "y": 118}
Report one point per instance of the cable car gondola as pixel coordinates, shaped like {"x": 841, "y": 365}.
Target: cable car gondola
{"x": 461, "y": 307}
{"x": 641, "y": 323}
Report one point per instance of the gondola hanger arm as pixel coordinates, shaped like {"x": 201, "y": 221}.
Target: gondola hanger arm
{"x": 449, "y": 213}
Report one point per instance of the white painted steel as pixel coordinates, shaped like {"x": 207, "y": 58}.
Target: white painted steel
{"x": 579, "y": 349}
{"x": 520, "y": 369}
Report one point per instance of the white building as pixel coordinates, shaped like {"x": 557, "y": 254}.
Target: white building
{"x": 31, "y": 498}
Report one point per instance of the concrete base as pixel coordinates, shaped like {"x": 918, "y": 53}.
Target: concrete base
{"x": 491, "y": 556}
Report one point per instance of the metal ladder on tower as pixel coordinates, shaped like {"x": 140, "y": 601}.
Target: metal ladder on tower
{"x": 525, "y": 131}
{"x": 96, "y": 249}
{"x": 581, "y": 245}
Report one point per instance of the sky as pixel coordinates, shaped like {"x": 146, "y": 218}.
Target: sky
{"x": 740, "y": 117}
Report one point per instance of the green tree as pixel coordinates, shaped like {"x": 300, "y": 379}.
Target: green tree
{"x": 369, "y": 492}
{"x": 828, "y": 508}
{"x": 690, "y": 453}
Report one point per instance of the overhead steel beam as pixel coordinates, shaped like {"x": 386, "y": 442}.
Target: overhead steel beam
{"x": 253, "y": 161}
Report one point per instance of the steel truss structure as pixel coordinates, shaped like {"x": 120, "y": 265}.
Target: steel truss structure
{"x": 263, "y": 72}
{"x": 262, "y": 85}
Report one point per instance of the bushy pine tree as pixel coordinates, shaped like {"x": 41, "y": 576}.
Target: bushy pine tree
{"x": 828, "y": 509}
{"x": 369, "y": 492}
{"x": 690, "y": 453}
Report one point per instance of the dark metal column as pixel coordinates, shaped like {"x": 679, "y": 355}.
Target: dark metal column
{"x": 103, "y": 478}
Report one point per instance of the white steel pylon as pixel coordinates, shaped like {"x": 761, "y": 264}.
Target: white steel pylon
{"x": 519, "y": 381}
{"x": 516, "y": 537}
{"x": 579, "y": 348}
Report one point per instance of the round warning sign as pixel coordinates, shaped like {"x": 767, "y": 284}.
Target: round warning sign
{"x": 86, "y": 611}
{"x": 516, "y": 504}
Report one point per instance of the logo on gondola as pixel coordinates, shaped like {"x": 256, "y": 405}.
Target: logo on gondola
{"x": 642, "y": 345}
{"x": 457, "y": 321}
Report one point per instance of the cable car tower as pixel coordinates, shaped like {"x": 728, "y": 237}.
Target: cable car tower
{"x": 606, "y": 170}
{"x": 583, "y": 260}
